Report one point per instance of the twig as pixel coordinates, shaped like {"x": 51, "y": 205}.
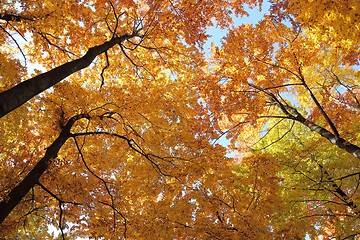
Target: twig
{"x": 103, "y": 70}
{"x": 17, "y": 44}
{"x": 277, "y": 140}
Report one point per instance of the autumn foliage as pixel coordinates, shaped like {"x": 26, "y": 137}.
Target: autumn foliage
{"x": 117, "y": 123}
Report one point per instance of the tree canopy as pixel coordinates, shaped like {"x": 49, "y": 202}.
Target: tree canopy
{"x": 113, "y": 120}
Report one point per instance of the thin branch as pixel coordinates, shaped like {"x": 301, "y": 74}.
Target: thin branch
{"x": 284, "y": 85}
{"x": 133, "y": 145}
{"x": 143, "y": 36}
{"x": 269, "y": 130}
{"x": 343, "y": 177}
{"x": 349, "y": 89}
{"x": 182, "y": 224}
{"x": 106, "y": 22}
{"x": 279, "y": 139}
{"x": 60, "y": 221}
{"x": 127, "y": 56}
{"x": 117, "y": 17}
{"x": 324, "y": 201}
{"x": 56, "y": 197}
{"x": 43, "y": 35}
{"x": 351, "y": 236}
{"x": 103, "y": 70}
{"x": 116, "y": 21}
{"x": 60, "y": 208}
{"x": 17, "y": 44}
{"x": 328, "y": 215}
{"x": 284, "y": 108}
{"x": 230, "y": 129}
{"x": 96, "y": 176}
{"x": 275, "y": 116}
{"x": 277, "y": 66}
{"x": 89, "y": 169}
{"x": 118, "y": 212}
{"x": 16, "y": 30}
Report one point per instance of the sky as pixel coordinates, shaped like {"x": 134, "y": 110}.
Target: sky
{"x": 255, "y": 15}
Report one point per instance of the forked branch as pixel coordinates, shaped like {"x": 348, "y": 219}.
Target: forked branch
{"x": 292, "y": 113}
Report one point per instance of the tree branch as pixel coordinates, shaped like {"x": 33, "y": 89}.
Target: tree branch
{"x": 133, "y": 145}
{"x": 12, "y": 17}
{"x": 337, "y": 191}
{"x": 292, "y": 113}
{"x": 338, "y": 141}
{"x": 103, "y": 70}
{"x": 16, "y": 43}
{"x": 317, "y": 103}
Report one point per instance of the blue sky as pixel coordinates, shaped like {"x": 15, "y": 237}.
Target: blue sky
{"x": 254, "y": 16}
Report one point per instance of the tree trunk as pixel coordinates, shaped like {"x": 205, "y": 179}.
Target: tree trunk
{"x": 18, "y": 193}
{"x": 24, "y": 91}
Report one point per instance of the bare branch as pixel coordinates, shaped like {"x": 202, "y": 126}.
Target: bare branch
{"x": 15, "y": 18}
{"x": 103, "y": 70}
{"x": 277, "y": 140}
{"x": 349, "y": 89}
{"x": 277, "y": 66}
{"x": 60, "y": 207}
{"x": 43, "y": 35}
{"x": 17, "y": 44}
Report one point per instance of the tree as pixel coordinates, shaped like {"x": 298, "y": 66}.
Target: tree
{"x": 117, "y": 138}
{"x": 72, "y": 155}
{"x": 284, "y": 89}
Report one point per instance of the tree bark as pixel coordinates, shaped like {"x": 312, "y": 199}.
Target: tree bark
{"x": 32, "y": 178}
{"x": 338, "y": 141}
{"x": 292, "y": 113}
{"x": 24, "y": 91}
{"x": 11, "y": 17}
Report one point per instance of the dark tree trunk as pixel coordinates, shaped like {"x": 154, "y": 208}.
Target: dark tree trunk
{"x": 24, "y": 91}
{"x": 32, "y": 178}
